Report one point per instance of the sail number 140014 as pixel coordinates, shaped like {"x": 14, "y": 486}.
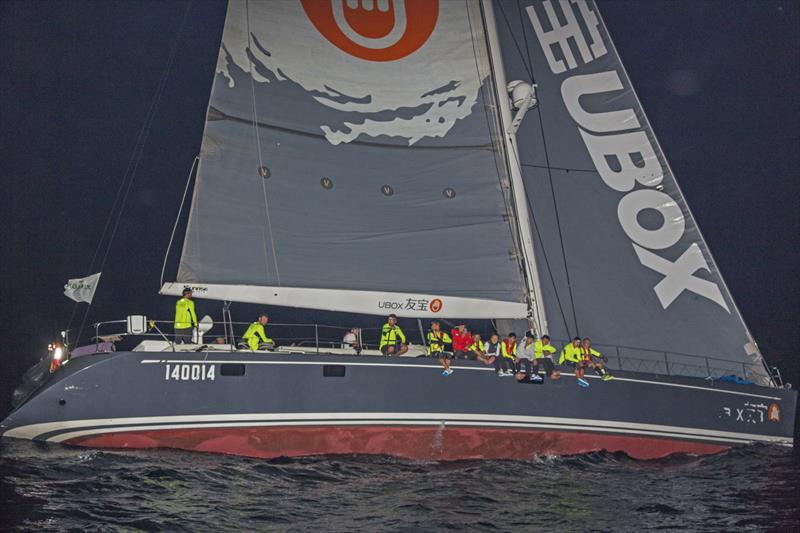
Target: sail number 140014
{"x": 189, "y": 372}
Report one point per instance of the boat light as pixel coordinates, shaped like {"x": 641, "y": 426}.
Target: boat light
{"x": 58, "y": 355}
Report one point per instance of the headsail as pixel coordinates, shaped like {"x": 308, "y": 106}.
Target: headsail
{"x": 356, "y": 150}
{"x": 621, "y": 257}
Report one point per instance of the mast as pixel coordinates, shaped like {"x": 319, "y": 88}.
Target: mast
{"x": 523, "y": 217}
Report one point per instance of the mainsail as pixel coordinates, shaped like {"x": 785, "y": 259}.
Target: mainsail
{"x": 620, "y": 255}
{"x": 353, "y": 148}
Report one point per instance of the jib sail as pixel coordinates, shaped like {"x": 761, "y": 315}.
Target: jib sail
{"x": 620, "y": 255}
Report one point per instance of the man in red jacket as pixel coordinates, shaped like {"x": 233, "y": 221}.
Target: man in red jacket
{"x": 461, "y": 341}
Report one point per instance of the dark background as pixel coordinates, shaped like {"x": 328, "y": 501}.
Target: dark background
{"x": 719, "y": 81}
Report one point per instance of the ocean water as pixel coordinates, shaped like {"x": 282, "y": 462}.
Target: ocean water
{"x": 57, "y": 488}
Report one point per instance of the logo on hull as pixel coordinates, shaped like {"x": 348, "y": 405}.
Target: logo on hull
{"x": 774, "y": 413}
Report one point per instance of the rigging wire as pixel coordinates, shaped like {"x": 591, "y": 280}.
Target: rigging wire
{"x": 525, "y": 40}
{"x": 498, "y": 149}
{"x": 529, "y": 68}
{"x": 513, "y": 38}
{"x": 558, "y": 220}
{"x": 258, "y": 146}
{"x": 128, "y": 178}
{"x": 177, "y": 218}
{"x": 544, "y": 255}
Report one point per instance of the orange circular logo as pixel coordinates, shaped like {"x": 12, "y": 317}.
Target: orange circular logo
{"x": 436, "y": 305}
{"x": 375, "y": 30}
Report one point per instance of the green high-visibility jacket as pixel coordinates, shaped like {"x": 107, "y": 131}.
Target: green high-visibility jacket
{"x": 539, "y": 349}
{"x": 255, "y": 333}
{"x": 391, "y": 336}
{"x": 476, "y": 346}
{"x": 185, "y": 316}
{"x": 570, "y": 353}
{"x": 437, "y": 340}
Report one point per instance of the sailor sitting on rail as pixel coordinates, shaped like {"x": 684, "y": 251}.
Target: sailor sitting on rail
{"x": 571, "y": 354}
{"x": 508, "y": 350}
{"x": 544, "y": 351}
{"x": 594, "y": 359}
{"x": 255, "y": 337}
{"x": 436, "y": 341}
{"x": 524, "y": 360}
{"x": 477, "y": 350}
{"x": 393, "y": 340}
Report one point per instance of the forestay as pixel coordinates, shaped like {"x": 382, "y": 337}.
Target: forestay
{"x": 355, "y": 149}
{"x": 621, "y": 257}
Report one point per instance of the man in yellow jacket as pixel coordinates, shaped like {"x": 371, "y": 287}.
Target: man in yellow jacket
{"x": 543, "y": 353}
{"x": 393, "y": 340}
{"x": 573, "y": 356}
{"x": 256, "y": 337}
{"x": 436, "y": 341}
{"x": 185, "y": 317}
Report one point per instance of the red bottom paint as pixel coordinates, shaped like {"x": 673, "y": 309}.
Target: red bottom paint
{"x": 451, "y": 443}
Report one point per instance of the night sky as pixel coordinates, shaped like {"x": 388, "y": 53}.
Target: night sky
{"x": 718, "y": 80}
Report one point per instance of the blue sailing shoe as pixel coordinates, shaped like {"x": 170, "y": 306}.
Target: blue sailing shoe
{"x": 583, "y": 383}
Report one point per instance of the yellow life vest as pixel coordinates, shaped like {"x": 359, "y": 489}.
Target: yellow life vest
{"x": 506, "y": 353}
{"x": 437, "y": 340}
{"x": 591, "y": 353}
{"x": 476, "y": 346}
{"x": 391, "y": 336}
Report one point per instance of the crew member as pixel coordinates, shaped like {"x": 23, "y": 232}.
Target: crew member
{"x": 393, "y": 340}
{"x": 478, "y": 351}
{"x": 571, "y": 354}
{"x": 185, "y": 317}
{"x": 543, "y": 352}
{"x": 255, "y": 337}
{"x": 350, "y": 340}
{"x": 436, "y": 341}
{"x": 492, "y": 349}
{"x": 508, "y": 349}
{"x": 525, "y": 357}
{"x": 594, "y": 359}
{"x": 461, "y": 341}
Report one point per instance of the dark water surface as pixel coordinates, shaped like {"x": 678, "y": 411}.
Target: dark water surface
{"x": 56, "y": 488}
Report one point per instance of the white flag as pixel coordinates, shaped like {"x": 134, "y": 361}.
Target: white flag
{"x": 82, "y": 289}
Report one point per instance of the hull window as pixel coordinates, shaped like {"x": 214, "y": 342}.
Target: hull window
{"x": 333, "y": 371}
{"x": 230, "y": 369}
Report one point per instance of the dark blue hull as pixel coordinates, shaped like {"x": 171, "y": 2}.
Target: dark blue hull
{"x": 269, "y": 405}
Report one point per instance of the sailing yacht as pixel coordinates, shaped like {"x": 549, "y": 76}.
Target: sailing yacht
{"x": 438, "y": 160}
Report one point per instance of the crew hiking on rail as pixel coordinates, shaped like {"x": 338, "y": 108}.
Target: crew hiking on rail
{"x": 521, "y": 360}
